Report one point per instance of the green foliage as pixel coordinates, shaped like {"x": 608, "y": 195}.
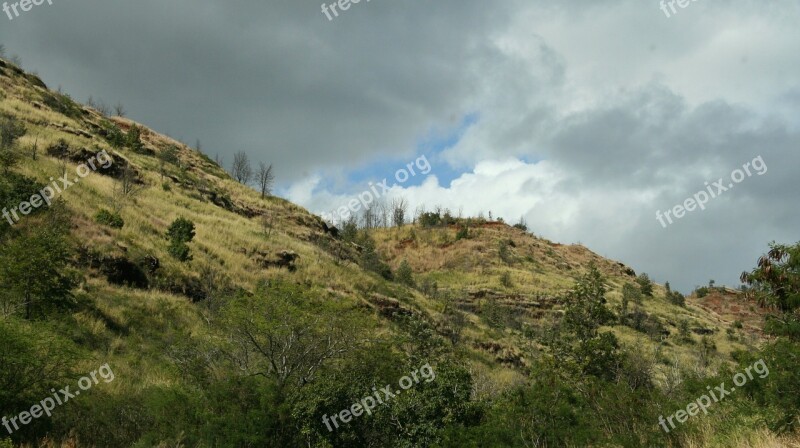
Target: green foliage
{"x": 521, "y": 225}
{"x": 11, "y": 130}
{"x": 674, "y": 297}
{"x": 776, "y": 283}
{"x": 586, "y": 308}
{"x": 109, "y": 219}
{"x": 430, "y": 219}
{"x": 701, "y": 292}
{"x": 463, "y": 233}
{"x": 180, "y": 251}
{"x": 133, "y": 140}
{"x": 34, "y": 267}
{"x": 781, "y": 386}
{"x": 33, "y": 359}
{"x": 645, "y": 284}
{"x": 114, "y": 135}
{"x": 404, "y": 274}
{"x": 504, "y": 252}
{"x": 505, "y": 279}
{"x": 170, "y": 155}
{"x": 370, "y": 260}
{"x": 181, "y": 230}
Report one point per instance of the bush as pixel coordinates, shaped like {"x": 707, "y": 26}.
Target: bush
{"x": 170, "y": 155}
{"x": 430, "y": 219}
{"x": 181, "y": 230}
{"x": 109, "y": 219}
{"x": 463, "y": 233}
{"x": 180, "y": 251}
{"x": 404, "y": 274}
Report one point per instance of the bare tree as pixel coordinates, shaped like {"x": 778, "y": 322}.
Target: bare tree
{"x": 119, "y": 110}
{"x": 241, "y": 170}
{"x": 103, "y": 108}
{"x": 198, "y": 146}
{"x": 125, "y": 189}
{"x": 266, "y": 178}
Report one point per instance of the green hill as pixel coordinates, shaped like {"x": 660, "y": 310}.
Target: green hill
{"x": 235, "y": 320}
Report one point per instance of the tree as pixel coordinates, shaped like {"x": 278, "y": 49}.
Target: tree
{"x": 399, "y": 208}
{"x": 404, "y": 274}
{"x": 266, "y": 178}
{"x": 522, "y": 225}
{"x": 11, "y": 130}
{"x": 133, "y": 139}
{"x": 287, "y": 334}
{"x": 241, "y": 169}
{"x": 34, "y": 267}
{"x": 775, "y": 283}
{"x": 645, "y": 284}
{"x": 180, "y": 232}
{"x": 586, "y": 307}
{"x": 119, "y": 110}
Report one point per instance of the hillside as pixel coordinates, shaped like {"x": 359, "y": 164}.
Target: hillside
{"x": 489, "y": 295}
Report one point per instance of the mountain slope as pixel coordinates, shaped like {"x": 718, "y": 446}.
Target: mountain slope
{"x": 494, "y": 292}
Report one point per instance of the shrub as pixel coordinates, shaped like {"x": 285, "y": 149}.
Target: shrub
{"x": 170, "y": 155}
{"x": 109, "y": 219}
{"x": 180, "y": 251}
{"x": 463, "y": 233}
{"x": 181, "y": 230}
{"x": 505, "y": 280}
{"x": 404, "y": 274}
{"x": 430, "y": 219}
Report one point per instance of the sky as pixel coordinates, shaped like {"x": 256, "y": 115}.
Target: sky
{"x": 587, "y": 118}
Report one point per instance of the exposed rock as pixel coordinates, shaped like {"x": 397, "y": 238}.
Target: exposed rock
{"x": 285, "y": 259}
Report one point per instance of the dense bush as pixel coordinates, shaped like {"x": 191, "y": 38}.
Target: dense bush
{"x": 110, "y": 219}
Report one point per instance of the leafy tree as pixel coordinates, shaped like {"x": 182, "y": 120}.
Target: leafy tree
{"x": 645, "y": 284}
{"x": 34, "y": 266}
{"x": 775, "y": 282}
{"x": 287, "y": 334}
{"x": 586, "y": 308}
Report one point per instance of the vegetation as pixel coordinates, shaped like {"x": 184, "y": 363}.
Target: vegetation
{"x": 533, "y": 343}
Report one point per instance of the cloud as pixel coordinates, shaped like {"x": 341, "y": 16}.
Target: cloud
{"x": 590, "y": 115}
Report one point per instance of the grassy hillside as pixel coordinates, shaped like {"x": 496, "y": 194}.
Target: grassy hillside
{"x": 182, "y": 337}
